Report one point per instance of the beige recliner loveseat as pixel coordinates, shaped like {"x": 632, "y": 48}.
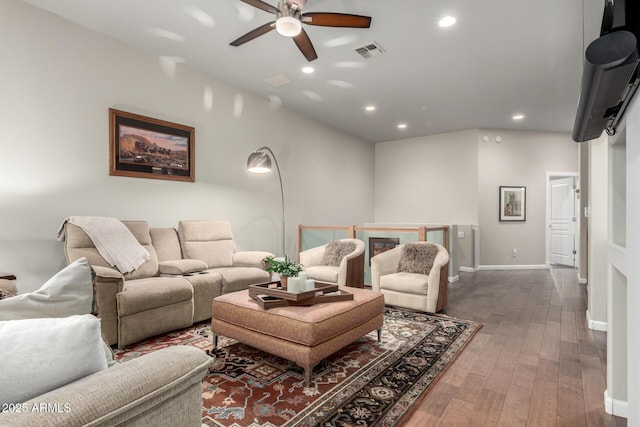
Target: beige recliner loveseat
{"x": 174, "y": 288}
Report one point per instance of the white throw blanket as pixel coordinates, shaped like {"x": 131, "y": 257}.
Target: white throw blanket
{"x": 113, "y": 240}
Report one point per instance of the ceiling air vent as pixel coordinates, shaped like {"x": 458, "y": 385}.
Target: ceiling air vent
{"x": 279, "y": 80}
{"x": 370, "y": 50}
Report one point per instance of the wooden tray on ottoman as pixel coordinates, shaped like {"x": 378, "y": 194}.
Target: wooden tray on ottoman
{"x": 271, "y": 295}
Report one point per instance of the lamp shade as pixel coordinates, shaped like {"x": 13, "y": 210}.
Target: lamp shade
{"x": 288, "y": 26}
{"x": 259, "y": 162}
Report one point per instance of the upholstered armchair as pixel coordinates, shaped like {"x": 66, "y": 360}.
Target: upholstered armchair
{"x": 413, "y": 275}
{"x": 339, "y": 261}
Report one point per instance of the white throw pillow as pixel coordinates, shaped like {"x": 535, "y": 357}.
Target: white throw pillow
{"x": 68, "y": 293}
{"x": 40, "y": 355}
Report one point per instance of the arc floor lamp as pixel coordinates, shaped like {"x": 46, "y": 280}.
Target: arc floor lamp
{"x": 259, "y": 162}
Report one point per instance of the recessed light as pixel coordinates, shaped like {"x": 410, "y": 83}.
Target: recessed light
{"x": 308, "y": 70}
{"x": 402, "y": 125}
{"x": 370, "y": 108}
{"x": 518, "y": 117}
{"x": 447, "y": 21}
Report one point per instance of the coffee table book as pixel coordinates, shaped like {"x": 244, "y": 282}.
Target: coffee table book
{"x": 270, "y": 295}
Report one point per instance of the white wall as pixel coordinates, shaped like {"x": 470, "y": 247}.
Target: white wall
{"x": 520, "y": 159}
{"x": 583, "y": 252}
{"x": 454, "y": 179}
{"x": 427, "y": 180}
{"x": 598, "y": 229}
{"x": 57, "y": 82}
{"x": 632, "y": 257}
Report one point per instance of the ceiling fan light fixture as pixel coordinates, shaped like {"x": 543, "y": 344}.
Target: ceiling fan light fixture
{"x": 289, "y": 20}
{"x": 288, "y": 26}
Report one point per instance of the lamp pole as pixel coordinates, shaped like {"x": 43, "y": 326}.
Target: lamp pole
{"x": 260, "y": 150}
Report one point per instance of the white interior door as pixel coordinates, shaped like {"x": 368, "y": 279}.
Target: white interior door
{"x": 562, "y": 222}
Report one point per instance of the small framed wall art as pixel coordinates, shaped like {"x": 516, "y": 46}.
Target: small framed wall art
{"x": 513, "y": 203}
{"x": 145, "y": 147}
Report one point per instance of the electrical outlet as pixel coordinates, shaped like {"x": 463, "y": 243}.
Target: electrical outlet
{"x": 514, "y": 253}
{"x": 460, "y": 234}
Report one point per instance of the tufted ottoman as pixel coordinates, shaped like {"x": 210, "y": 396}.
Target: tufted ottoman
{"x": 302, "y": 334}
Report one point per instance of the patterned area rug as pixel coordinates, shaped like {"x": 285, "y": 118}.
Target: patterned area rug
{"x": 368, "y": 383}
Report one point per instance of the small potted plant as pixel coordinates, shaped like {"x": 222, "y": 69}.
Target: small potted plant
{"x": 284, "y": 268}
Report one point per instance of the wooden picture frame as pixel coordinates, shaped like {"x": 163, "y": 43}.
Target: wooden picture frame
{"x": 378, "y": 245}
{"x": 144, "y": 147}
{"x": 513, "y": 204}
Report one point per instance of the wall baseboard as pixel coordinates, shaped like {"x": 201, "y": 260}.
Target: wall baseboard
{"x": 596, "y": 325}
{"x": 467, "y": 269}
{"x": 454, "y": 278}
{"x": 614, "y": 407}
{"x": 514, "y": 267}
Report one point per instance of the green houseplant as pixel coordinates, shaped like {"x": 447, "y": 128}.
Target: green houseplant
{"x": 284, "y": 268}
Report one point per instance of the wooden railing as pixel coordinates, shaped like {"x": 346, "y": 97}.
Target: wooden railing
{"x": 351, "y": 231}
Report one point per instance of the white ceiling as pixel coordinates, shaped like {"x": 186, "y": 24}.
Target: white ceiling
{"x": 502, "y": 57}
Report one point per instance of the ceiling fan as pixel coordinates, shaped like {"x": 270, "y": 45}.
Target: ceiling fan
{"x": 289, "y": 20}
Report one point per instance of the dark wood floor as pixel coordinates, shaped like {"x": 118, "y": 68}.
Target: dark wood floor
{"x": 534, "y": 363}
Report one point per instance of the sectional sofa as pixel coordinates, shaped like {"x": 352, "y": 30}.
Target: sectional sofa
{"x": 174, "y": 288}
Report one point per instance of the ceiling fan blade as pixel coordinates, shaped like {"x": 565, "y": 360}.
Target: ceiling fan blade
{"x": 263, "y": 29}
{"x": 261, "y": 5}
{"x": 303, "y": 42}
{"x": 336, "y": 20}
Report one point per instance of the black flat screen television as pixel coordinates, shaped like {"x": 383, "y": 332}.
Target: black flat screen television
{"x": 621, "y": 15}
{"x": 610, "y": 76}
